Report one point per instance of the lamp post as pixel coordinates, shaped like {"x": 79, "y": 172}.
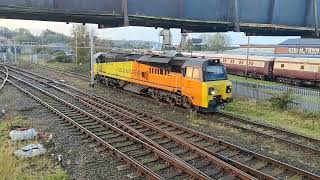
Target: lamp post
{"x": 247, "y": 63}
{"x": 92, "y": 59}
{"x": 315, "y": 7}
{"x": 76, "y": 60}
{"x": 15, "y": 51}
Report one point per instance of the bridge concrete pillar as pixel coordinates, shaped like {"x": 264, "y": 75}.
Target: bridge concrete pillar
{"x": 236, "y": 16}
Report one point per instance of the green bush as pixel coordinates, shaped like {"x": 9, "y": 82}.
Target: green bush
{"x": 282, "y": 100}
{"x": 62, "y": 57}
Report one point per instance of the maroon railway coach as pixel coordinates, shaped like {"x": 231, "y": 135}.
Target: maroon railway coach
{"x": 297, "y": 71}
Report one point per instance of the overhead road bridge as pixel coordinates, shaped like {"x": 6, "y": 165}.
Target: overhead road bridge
{"x": 254, "y": 17}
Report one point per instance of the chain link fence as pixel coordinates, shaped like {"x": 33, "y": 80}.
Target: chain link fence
{"x": 306, "y": 99}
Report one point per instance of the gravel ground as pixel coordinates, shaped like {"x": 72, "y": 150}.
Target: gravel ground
{"x": 255, "y": 143}
{"x": 79, "y": 159}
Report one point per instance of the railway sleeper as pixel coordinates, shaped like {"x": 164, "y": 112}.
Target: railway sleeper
{"x": 177, "y": 153}
{"x": 104, "y": 133}
{"x": 178, "y": 132}
{"x": 170, "y": 128}
{"x": 210, "y": 171}
{"x": 84, "y": 120}
{"x": 140, "y": 154}
{"x": 156, "y": 137}
{"x": 218, "y": 150}
{"x": 76, "y": 116}
{"x": 108, "y": 137}
{"x": 96, "y": 130}
{"x": 117, "y": 140}
{"x": 88, "y": 123}
{"x": 67, "y": 111}
{"x": 163, "y": 142}
{"x": 194, "y": 139}
{"x": 186, "y": 135}
{"x": 131, "y": 123}
{"x": 138, "y": 126}
{"x": 160, "y": 167}
{"x": 258, "y": 164}
{"x": 190, "y": 158}
{"x": 231, "y": 154}
{"x": 144, "y": 130}
{"x": 149, "y": 160}
{"x": 119, "y": 145}
{"x": 133, "y": 149}
{"x": 151, "y": 133}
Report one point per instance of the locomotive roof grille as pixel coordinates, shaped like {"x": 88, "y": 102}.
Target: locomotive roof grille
{"x": 154, "y": 59}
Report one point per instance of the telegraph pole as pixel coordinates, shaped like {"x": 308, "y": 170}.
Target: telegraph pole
{"x": 247, "y": 63}
{"x": 92, "y": 58}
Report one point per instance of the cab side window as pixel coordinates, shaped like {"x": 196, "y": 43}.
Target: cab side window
{"x": 193, "y": 73}
{"x": 196, "y": 73}
{"x": 189, "y": 72}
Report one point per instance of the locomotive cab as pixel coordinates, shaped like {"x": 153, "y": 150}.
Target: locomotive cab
{"x": 206, "y": 84}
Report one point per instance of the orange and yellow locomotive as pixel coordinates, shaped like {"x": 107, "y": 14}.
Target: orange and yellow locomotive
{"x": 196, "y": 83}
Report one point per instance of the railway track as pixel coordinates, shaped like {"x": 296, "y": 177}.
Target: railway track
{"x": 250, "y": 162}
{"x": 74, "y": 74}
{"x": 149, "y": 160}
{"x": 298, "y": 140}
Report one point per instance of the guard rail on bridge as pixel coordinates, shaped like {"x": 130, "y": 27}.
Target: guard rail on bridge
{"x": 256, "y": 17}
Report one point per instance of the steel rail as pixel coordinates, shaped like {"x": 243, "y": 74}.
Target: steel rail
{"x": 138, "y": 165}
{"x": 6, "y": 76}
{"x": 208, "y": 157}
{"x": 213, "y": 140}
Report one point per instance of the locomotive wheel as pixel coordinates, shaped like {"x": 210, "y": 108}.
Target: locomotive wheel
{"x": 156, "y": 96}
{"x": 187, "y": 102}
{"x": 172, "y": 101}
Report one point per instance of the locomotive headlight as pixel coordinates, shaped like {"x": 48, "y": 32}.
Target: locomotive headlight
{"x": 212, "y": 91}
{"x": 229, "y": 89}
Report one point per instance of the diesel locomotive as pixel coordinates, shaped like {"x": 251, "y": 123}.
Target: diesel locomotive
{"x": 197, "y": 83}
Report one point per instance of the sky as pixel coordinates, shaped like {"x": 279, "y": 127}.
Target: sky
{"x": 129, "y": 33}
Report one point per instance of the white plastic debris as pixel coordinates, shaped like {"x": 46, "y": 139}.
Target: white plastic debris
{"x": 23, "y": 134}
{"x": 2, "y": 113}
{"x": 30, "y": 151}
{"x": 60, "y": 158}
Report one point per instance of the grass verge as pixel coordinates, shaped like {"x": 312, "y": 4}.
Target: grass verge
{"x": 11, "y": 167}
{"x": 294, "y": 120}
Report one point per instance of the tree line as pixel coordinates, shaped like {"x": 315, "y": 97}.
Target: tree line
{"x": 23, "y": 35}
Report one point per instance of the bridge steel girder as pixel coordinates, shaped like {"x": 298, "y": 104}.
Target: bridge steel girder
{"x": 255, "y": 17}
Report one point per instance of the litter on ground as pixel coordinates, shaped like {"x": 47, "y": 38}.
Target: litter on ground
{"x": 23, "y": 134}
{"x": 30, "y": 151}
